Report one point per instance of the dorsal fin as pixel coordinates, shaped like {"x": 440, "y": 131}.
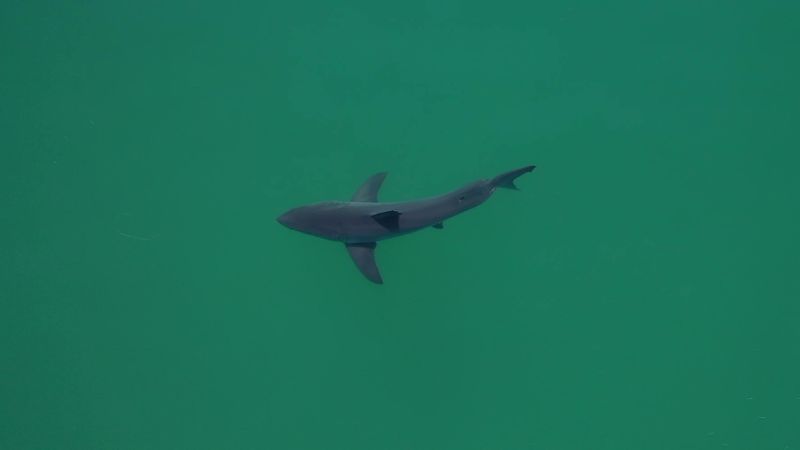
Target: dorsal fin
{"x": 388, "y": 219}
{"x": 368, "y": 191}
{"x": 364, "y": 257}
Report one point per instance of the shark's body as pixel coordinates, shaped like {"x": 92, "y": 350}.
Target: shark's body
{"x": 363, "y": 221}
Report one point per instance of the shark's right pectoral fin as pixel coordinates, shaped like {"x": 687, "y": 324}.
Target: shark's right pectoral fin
{"x": 364, "y": 256}
{"x": 368, "y": 191}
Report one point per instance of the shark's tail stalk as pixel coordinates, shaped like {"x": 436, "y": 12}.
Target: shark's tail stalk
{"x": 506, "y": 180}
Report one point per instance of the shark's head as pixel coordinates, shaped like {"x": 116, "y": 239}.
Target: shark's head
{"x": 319, "y": 219}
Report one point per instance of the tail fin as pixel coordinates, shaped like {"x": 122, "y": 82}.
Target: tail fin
{"x": 506, "y": 180}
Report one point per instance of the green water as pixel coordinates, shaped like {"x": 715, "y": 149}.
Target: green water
{"x": 640, "y": 291}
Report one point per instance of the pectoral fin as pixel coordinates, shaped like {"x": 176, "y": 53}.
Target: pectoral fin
{"x": 368, "y": 192}
{"x": 364, "y": 257}
{"x": 438, "y": 226}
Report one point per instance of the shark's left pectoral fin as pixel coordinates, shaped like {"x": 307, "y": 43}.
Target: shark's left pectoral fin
{"x": 364, "y": 257}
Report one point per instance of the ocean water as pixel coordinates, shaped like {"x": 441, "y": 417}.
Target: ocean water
{"x": 639, "y": 292}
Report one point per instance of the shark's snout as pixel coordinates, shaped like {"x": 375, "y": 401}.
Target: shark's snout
{"x": 287, "y": 219}
{"x": 314, "y": 219}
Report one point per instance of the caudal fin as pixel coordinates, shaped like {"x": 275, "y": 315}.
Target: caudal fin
{"x": 506, "y": 180}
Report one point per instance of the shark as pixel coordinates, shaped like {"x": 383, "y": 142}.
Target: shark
{"x": 364, "y": 220}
